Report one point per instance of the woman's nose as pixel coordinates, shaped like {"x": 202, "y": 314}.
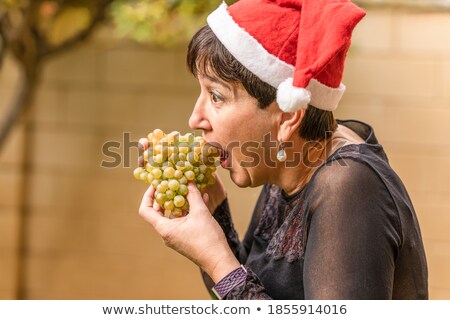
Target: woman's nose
{"x": 198, "y": 119}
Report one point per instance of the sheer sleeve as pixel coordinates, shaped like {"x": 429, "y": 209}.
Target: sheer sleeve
{"x": 353, "y": 235}
{"x": 240, "y": 249}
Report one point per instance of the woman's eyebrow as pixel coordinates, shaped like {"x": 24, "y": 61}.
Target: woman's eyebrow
{"x": 218, "y": 81}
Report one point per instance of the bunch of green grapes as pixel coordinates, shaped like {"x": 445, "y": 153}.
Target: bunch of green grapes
{"x": 170, "y": 161}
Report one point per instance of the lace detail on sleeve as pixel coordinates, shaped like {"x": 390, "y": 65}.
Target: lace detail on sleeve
{"x": 251, "y": 289}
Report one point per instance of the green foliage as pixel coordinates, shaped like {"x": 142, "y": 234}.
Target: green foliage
{"x": 9, "y": 4}
{"x": 163, "y": 22}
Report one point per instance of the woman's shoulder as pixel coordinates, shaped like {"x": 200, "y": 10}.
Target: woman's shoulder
{"x": 359, "y": 174}
{"x": 352, "y": 164}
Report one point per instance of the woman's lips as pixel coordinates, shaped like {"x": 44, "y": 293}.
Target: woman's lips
{"x": 224, "y": 156}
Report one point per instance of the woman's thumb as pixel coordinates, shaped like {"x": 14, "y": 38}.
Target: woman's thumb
{"x": 195, "y": 198}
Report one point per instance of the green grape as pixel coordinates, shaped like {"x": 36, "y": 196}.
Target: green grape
{"x": 165, "y": 184}
{"x": 160, "y": 198}
{"x": 205, "y": 159}
{"x": 210, "y": 178}
{"x": 137, "y": 172}
{"x": 183, "y": 180}
{"x": 149, "y": 167}
{"x": 170, "y": 194}
{"x": 174, "y": 185}
{"x": 169, "y": 172}
{"x": 159, "y": 158}
{"x": 193, "y": 157}
{"x": 190, "y": 175}
{"x": 190, "y": 137}
{"x": 178, "y": 174}
{"x": 158, "y": 134}
{"x": 196, "y": 147}
{"x": 179, "y": 201}
{"x": 145, "y": 155}
{"x": 157, "y": 173}
{"x": 180, "y": 165}
{"x": 167, "y": 164}
{"x": 172, "y": 150}
{"x": 183, "y": 147}
{"x": 174, "y": 158}
{"x": 165, "y": 151}
{"x": 168, "y": 205}
{"x": 155, "y": 183}
{"x": 158, "y": 149}
{"x": 182, "y": 156}
{"x": 161, "y": 188}
{"x": 188, "y": 166}
{"x": 200, "y": 177}
{"x": 163, "y": 141}
{"x": 177, "y": 212}
{"x": 143, "y": 176}
{"x": 183, "y": 190}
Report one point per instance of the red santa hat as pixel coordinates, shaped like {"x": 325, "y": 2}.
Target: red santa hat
{"x": 296, "y": 46}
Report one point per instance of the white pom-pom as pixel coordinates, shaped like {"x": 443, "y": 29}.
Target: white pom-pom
{"x": 290, "y": 98}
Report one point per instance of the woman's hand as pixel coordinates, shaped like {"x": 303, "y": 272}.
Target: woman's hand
{"x": 197, "y": 236}
{"x": 215, "y": 193}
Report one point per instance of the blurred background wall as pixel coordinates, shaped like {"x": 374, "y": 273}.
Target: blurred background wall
{"x": 79, "y": 235}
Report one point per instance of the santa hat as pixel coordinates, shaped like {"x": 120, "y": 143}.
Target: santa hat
{"x": 296, "y": 46}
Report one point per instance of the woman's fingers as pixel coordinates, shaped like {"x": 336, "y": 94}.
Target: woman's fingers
{"x": 157, "y": 207}
{"x": 147, "y": 199}
{"x": 196, "y": 200}
{"x": 206, "y": 198}
{"x": 147, "y": 209}
{"x": 194, "y": 194}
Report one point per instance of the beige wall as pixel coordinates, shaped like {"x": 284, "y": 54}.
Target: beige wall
{"x": 84, "y": 239}
{"x": 11, "y": 161}
{"x": 398, "y": 79}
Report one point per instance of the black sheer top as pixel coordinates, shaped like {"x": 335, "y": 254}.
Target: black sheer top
{"x": 350, "y": 233}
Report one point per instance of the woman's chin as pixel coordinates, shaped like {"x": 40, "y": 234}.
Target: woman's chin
{"x": 240, "y": 179}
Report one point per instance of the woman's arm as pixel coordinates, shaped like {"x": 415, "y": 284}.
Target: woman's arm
{"x": 240, "y": 249}
{"x": 223, "y": 216}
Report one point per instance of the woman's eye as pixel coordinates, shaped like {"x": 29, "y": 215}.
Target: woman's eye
{"x": 216, "y": 98}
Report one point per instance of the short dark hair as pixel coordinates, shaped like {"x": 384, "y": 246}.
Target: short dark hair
{"x": 206, "y": 54}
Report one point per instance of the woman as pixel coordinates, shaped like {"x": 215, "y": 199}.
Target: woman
{"x": 333, "y": 220}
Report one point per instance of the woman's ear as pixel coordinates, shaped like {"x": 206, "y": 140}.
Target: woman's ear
{"x": 289, "y": 124}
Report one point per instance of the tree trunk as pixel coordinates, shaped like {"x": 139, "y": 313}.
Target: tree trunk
{"x": 21, "y": 102}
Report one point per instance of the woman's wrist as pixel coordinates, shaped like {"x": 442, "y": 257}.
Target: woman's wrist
{"x": 223, "y": 267}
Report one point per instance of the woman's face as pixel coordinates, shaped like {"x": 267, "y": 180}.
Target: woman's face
{"x": 231, "y": 118}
